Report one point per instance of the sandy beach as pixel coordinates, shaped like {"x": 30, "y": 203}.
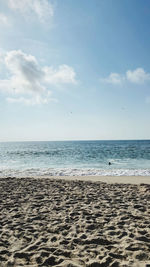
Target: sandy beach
{"x": 75, "y": 222}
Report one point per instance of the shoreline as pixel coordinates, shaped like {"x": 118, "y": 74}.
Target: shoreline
{"x": 137, "y": 180}
{"x": 106, "y": 179}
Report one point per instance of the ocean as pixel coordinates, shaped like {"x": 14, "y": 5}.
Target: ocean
{"x": 61, "y": 158}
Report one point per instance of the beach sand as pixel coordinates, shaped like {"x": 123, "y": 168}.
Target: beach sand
{"x": 75, "y": 222}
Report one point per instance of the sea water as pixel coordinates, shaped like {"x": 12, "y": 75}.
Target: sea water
{"x": 75, "y": 158}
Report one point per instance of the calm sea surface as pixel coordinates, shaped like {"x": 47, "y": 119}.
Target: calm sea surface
{"x": 75, "y": 158}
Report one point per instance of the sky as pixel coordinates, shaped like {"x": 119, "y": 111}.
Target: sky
{"x": 74, "y": 70}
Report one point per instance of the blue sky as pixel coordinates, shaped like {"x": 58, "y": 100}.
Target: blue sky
{"x": 72, "y": 70}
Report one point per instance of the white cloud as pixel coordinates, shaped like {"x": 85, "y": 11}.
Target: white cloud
{"x": 42, "y": 9}
{"x": 113, "y": 78}
{"x": 26, "y": 74}
{"x": 27, "y": 77}
{"x": 64, "y": 74}
{"x": 137, "y": 76}
{"x": 3, "y": 19}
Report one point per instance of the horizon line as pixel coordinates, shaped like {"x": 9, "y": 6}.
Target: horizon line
{"x": 72, "y": 140}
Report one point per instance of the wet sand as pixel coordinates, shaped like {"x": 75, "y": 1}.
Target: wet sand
{"x": 56, "y": 222}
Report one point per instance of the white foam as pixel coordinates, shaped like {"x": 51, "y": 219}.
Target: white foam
{"x": 34, "y": 172}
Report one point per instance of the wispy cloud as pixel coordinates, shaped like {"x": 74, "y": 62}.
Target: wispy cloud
{"x": 64, "y": 74}
{"x": 31, "y": 101}
{"x": 42, "y": 9}
{"x": 137, "y": 76}
{"x": 27, "y": 77}
{"x": 4, "y": 20}
{"x": 113, "y": 78}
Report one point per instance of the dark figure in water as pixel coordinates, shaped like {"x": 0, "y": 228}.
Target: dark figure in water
{"x": 109, "y": 163}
